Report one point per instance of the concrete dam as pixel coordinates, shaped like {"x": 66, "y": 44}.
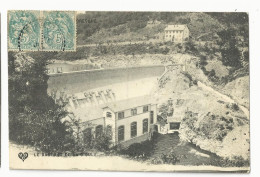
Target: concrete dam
{"x": 81, "y": 81}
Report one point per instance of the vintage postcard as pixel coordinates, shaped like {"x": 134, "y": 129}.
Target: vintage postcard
{"x": 137, "y": 91}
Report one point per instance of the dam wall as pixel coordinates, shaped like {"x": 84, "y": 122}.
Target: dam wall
{"x": 80, "y": 81}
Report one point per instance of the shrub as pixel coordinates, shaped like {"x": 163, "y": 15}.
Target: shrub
{"x": 203, "y": 60}
{"x": 139, "y": 150}
{"x": 102, "y": 143}
{"x": 246, "y": 56}
{"x": 170, "y": 158}
{"x": 212, "y": 73}
{"x": 190, "y": 47}
{"x": 195, "y": 82}
{"x": 165, "y": 50}
{"x": 211, "y": 127}
{"x": 231, "y": 55}
{"x": 234, "y": 107}
{"x": 236, "y": 161}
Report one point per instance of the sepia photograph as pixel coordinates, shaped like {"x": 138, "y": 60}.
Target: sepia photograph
{"x": 129, "y": 91}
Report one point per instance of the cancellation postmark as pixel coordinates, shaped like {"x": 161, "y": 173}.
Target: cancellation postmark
{"x": 59, "y": 31}
{"x": 42, "y": 31}
{"x": 24, "y": 30}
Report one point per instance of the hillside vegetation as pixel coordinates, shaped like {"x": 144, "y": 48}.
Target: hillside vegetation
{"x": 127, "y": 26}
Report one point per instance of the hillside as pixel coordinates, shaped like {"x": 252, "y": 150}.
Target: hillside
{"x": 241, "y": 93}
{"x": 216, "y": 125}
{"x": 132, "y": 26}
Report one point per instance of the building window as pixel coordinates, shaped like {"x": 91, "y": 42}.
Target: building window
{"x": 109, "y": 132}
{"x": 109, "y": 114}
{"x": 133, "y": 111}
{"x": 99, "y": 131}
{"x": 145, "y": 109}
{"x": 166, "y": 35}
{"x": 121, "y": 133}
{"x": 151, "y": 117}
{"x": 133, "y": 129}
{"x": 174, "y": 125}
{"x": 145, "y": 126}
{"x": 121, "y": 115}
{"x": 87, "y": 136}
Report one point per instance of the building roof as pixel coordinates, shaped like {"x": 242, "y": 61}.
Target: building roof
{"x": 175, "y": 27}
{"x": 89, "y": 113}
{"x": 129, "y": 103}
{"x": 95, "y": 112}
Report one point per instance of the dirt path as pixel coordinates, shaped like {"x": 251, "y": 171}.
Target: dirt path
{"x": 113, "y": 43}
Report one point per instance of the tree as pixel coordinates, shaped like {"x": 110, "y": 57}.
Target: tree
{"x": 231, "y": 55}
{"x": 191, "y": 47}
{"x": 246, "y": 56}
{"x": 34, "y": 118}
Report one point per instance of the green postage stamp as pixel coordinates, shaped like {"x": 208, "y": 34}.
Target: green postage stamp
{"x": 42, "y": 30}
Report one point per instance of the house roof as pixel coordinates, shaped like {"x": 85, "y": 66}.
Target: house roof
{"x": 129, "y": 103}
{"x": 89, "y": 113}
{"x": 175, "y": 27}
{"x": 95, "y": 112}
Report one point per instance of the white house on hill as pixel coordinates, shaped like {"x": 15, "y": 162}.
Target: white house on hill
{"x": 176, "y": 33}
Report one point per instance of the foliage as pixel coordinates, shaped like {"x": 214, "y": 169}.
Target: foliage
{"x": 246, "y": 56}
{"x": 190, "y": 47}
{"x": 170, "y": 158}
{"x": 106, "y": 20}
{"x": 215, "y": 127}
{"x": 139, "y": 150}
{"x": 120, "y": 23}
{"x": 102, "y": 143}
{"x": 187, "y": 128}
{"x": 212, "y": 127}
{"x": 163, "y": 81}
{"x": 134, "y": 25}
{"x": 34, "y": 118}
{"x": 234, "y": 107}
{"x": 163, "y": 110}
{"x": 236, "y": 161}
{"x": 82, "y": 53}
{"x": 231, "y": 18}
{"x": 203, "y": 60}
{"x": 231, "y": 56}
